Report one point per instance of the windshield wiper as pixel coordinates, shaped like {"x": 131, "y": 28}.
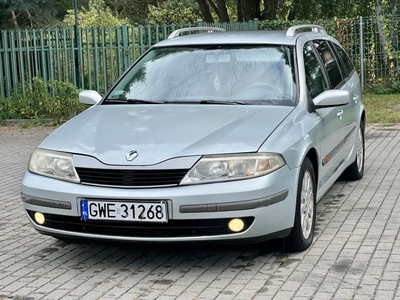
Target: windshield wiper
{"x": 130, "y": 101}
{"x": 138, "y": 101}
{"x": 224, "y": 102}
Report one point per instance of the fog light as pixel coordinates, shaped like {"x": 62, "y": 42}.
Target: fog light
{"x": 39, "y": 218}
{"x": 236, "y": 225}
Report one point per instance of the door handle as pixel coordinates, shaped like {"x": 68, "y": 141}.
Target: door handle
{"x": 340, "y": 114}
{"x": 355, "y": 98}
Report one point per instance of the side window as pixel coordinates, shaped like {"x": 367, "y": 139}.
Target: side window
{"x": 314, "y": 77}
{"x": 347, "y": 63}
{"x": 331, "y": 65}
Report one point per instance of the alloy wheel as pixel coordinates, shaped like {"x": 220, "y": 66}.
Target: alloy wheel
{"x": 307, "y": 204}
{"x": 360, "y": 151}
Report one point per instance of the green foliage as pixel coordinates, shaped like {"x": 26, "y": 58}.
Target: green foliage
{"x": 62, "y": 6}
{"x": 22, "y": 5}
{"x": 331, "y": 26}
{"x": 280, "y": 24}
{"x": 384, "y": 89}
{"x": 17, "y": 14}
{"x": 172, "y": 12}
{"x": 97, "y": 15}
{"x": 52, "y": 100}
{"x": 133, "y": 10}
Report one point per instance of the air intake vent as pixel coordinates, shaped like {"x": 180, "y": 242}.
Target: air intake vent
{"x": 131, "y": 178}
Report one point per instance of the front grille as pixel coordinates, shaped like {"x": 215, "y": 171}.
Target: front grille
{"x": 131, "y": 178}
{"x": 174, "y": 228}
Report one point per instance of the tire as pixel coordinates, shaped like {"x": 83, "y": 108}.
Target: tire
{"x": 356, "y": 170}
{"x": 302, "y": 233}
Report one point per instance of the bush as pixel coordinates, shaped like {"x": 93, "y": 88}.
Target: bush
{"x": 172, "y": 11}
{"x": 97, "y": 15}
{"x": 54, "y": 100}
{"x": 384, "y": 88}
{"x": 279, "y": 24}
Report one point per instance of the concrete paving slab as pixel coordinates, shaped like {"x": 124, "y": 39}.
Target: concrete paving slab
{"x": 355, "y": 254}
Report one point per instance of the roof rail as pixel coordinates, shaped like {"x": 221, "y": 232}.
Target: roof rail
{"x": 177, "y": 32}
{"x": 314, "y": 28}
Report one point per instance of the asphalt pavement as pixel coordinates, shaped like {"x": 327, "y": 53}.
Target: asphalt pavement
{"x": 355, "y": 254}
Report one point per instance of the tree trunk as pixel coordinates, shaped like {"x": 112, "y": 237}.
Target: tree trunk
{"x": 270, "y": 9}
{"x": 394, "y": 32}
{"x": 30, "y": 18}
{"x": 205, "y": 11}
{"x": 293, "y": 10}
{"x": 223, "y": 17}
{"x": 246, "y": 10}
{"x": 214, "y": 8}
{"x": 250, "y": 9}
{"x": 115, "y": 4}
{"x": 380, "y": 24}
{"x": 239, "y": 10}
{"x": 14, "y": 19}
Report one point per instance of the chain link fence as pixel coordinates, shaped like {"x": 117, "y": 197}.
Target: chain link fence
{"x": 373, "y": 44}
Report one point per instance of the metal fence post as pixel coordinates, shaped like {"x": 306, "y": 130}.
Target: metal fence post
{"x": 125, "y": 45}
{"x": 256, "y": 24}
{"x": 362, "y": 53}
{"x": 76, "y": 54}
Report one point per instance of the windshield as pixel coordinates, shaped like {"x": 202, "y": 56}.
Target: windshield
{"x": 210, "y": 75}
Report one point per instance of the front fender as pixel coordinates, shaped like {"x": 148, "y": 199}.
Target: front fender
{"x": 294, "y": 138}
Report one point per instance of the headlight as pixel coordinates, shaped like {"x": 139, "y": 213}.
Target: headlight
{"x": 53, "y": 164}
{"x": 225, "y": 168}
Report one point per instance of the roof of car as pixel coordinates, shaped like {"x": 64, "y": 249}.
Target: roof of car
{"x": 213, "y": 37}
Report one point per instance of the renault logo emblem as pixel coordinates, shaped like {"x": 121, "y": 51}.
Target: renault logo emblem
{"x": 131, "y": 155}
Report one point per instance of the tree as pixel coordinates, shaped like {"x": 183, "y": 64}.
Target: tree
{"x": 62, "y": 6}
{"x": 134, "y": 10}
{"x": 97, "y": 14}
{"x": 245, "y": 10}
{"x": 218, "y": 7}
{"x": 173, "y": 11}
{"x": 23, "y": 12}
{"x": 205, "y": 11}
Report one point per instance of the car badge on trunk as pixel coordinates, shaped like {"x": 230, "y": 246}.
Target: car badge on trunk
{"x": 131, "y": 155}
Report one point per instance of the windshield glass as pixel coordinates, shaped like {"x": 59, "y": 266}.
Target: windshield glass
{"x": 205, "y": 74}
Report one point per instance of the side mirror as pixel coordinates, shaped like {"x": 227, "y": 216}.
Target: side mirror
{"x": 332, "y": 98}
{"x": 89, "y": 97}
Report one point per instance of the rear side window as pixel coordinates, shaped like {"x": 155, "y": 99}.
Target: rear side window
{"x": 329, "y": 60}
{"x": 347, "y": 63}
{"x": 314, "y": 76}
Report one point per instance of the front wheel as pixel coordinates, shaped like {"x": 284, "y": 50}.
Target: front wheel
{"x": 302, "y": 233}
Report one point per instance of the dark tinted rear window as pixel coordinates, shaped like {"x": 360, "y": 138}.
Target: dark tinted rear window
{"x": 347, "y": 63}
{"x": 329, "y": 60}
{"x": 314, "y": 75}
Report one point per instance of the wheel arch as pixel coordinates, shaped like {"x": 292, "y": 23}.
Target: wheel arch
{"x": 363, "y": 119}
{"x": 313, "y": 156}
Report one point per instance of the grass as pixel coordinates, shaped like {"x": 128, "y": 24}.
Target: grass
{"x": 384, "y": 109}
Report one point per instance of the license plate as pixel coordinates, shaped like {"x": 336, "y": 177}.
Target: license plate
{"x": 124, "y": 211}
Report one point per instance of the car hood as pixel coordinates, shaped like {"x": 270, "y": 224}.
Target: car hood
{"x": 160, "y": 132}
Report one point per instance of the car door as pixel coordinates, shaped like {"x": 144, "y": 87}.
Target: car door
{"x": 323, "y": 73}
{"x": 351, "y": 82}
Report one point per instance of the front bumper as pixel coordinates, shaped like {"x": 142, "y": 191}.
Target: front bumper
{"x": 195, "y": 213}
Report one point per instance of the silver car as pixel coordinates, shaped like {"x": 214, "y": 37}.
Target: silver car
{"x": 209, "y": 136}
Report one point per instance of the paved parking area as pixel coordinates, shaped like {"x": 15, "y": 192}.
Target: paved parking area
{"x": 355, "y": 255}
